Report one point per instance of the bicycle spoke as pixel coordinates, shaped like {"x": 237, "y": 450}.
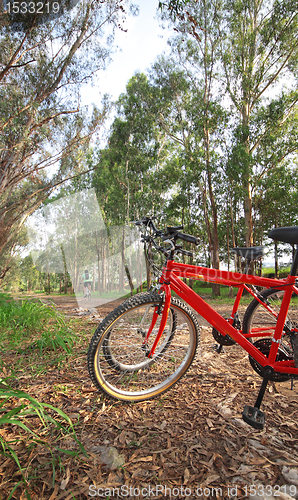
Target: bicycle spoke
{"x": 121, "y": 361}
{"x": 259, "y": 327}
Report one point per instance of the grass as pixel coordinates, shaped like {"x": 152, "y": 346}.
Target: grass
{"x": 38, "y": 339}
{"x": 24, "y": 314}
{"x": 24, "y": 412}
{"x": 28, "y": 324}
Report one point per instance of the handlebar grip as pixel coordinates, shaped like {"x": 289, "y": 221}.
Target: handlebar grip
{"x": 185, "y": 252}
{"x": 173, "y": 229}
{"x": 189, "y": 238}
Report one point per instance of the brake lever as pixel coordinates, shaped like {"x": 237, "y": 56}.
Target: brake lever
{"x": 171, "y": 243}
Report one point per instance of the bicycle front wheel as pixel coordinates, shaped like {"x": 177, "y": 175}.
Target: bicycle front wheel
{"x": 118, "y": 360}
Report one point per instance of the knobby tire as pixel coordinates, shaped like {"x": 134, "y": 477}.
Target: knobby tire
{"x": 117, "y": 358}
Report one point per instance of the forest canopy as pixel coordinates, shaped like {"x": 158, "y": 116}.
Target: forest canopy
{"x": 207, "y": 137}
{"x": 45, "y": 131}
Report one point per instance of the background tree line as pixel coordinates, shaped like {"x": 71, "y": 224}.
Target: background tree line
{"x": 45, "y": 132}
{"x": 207, "y": 138}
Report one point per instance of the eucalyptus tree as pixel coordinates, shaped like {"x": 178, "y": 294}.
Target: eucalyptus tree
{"x": 259, "y": 55}
{"x": 42, "y": 71}
{"x": 257, "y": 50}
{"x": 195, "y": 117}
{"x": 129, "y": 179}
{"x": 275, "y": 204}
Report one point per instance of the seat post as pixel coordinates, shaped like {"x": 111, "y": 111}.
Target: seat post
{"x": 247, "y": 266}
{"x": 293, "y": 271}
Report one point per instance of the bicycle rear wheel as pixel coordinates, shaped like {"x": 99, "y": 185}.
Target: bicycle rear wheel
{"x": 259, "y": 326}
{"x": 118, "y": 360}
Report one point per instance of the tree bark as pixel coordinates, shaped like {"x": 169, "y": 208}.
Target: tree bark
{"x": 276, "y": 268}
{"x": 149, "y": 273}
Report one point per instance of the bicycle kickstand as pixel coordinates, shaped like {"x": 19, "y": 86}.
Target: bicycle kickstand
{"x": 252, "y": 415}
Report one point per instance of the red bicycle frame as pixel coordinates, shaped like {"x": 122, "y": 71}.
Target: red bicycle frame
{"x": 171, "y": 281}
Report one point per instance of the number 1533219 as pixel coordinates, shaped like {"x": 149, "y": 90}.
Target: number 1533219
{"x": 272, "y": 491}
{"x": 32, "y": 7}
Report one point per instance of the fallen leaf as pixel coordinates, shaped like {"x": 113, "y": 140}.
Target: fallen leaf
{"x": 54, "y": 494}
{"x": 186, "y": 476}
{"x": 65, "y": 481}
{"x": 211, "y": 479}
{"x": 209, "y": 423}
{"x": 122, "y": 437}
{"x": 145, "y": 459}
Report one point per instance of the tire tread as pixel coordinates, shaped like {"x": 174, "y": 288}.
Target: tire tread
{"x": 139, "y": 299}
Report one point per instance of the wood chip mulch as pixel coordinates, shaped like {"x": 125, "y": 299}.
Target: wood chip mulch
{"x": 189, "y": 443}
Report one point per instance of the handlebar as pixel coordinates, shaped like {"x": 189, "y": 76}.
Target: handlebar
{"x": 184, "y": 252}
{"x": 189, "y": 238}
{"x": 171, "y": 235}
{"x": 147, "y": 221}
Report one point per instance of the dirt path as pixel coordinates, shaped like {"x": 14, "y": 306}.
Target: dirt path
{"x": 67, "y": 303}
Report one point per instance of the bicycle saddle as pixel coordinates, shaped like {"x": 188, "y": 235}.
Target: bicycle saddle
{"x": 250, "y": 253}
{"x": 285, "y": 234}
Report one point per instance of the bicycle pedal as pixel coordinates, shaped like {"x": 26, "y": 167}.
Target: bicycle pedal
{"x": 218, "y": 348}
{"x": 254, "y": 417}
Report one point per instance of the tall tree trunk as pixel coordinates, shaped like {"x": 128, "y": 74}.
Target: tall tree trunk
{"x": 236, "y": 259}
{"x": 107, "y": 267}
{"x": 246, "y": 175}
{"x": 149, "y": 273}
{"x": 98, "y": 271}
{"x": 208, "y": 76}
{"x": 214, "y": 250}
{"x": 75, "y": 274}
{"x": 276, "y": 269}
{"x": 248, "y": 214}
{"x": 65, "y": 269}
{"x": 93, "y": 284}
{"x": 97, "y": 242}
{"x": 122, "y": 266}
{"x": 104, "y": 264}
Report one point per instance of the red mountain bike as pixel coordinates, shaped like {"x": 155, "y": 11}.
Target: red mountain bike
{"x": 146, "y": 345}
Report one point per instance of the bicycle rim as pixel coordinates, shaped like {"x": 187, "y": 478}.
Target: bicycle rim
{"x": 259, "y": 323}
{"x": 120, "y": 366}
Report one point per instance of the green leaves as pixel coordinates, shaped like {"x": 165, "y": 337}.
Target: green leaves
{"x": 174, "y": 7}
{"x": 23, "y": 416}
{"x": 18, "y": 318}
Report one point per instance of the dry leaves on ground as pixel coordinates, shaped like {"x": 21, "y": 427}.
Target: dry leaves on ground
{"x": 192, "y": 439}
